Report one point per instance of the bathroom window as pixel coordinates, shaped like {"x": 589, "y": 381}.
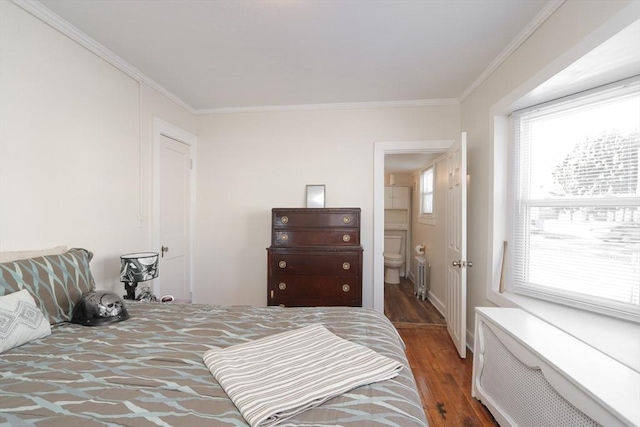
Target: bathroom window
{"x": 426, "y": 191}
{"x": 427, "y": 185}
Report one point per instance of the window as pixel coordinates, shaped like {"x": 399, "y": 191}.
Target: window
{"x": 576, "y": 216}
{"x": 426, "y": 191}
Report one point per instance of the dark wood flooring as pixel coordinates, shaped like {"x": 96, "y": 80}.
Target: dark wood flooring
{"x": 401, "y": 306}
{"x": 442, "y": 377}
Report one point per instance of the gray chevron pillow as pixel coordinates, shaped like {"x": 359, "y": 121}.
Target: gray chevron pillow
{"x": 56, "y": 282}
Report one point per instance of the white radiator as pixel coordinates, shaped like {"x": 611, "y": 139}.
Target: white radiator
{"x": 529, "y": 373}
{"x": 421, "y": 286}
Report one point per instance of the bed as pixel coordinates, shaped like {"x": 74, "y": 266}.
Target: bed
{"x": 149, "y": 370}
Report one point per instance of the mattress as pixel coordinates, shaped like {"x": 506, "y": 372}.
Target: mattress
{"x": 148, "y": 370}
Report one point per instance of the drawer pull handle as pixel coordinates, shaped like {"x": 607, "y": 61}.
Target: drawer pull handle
{"x": 282, "y": 286}
{"x": 284, "y": 219}
{"x": 346, "y": 219}
{"x": 346, "y": 288}
{"x": 346, "y": 266}
{"x": 346, "y": 238}
{"x": 284, "y": 237}
{"x": 282, "y": 264}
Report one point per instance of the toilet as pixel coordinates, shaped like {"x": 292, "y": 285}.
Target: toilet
{"x": 393, "y": 259}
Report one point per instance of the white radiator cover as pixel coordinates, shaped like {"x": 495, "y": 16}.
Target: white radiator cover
{"x": 535, "y": 404}
{"x": 421, "y": 286}
{"x": 529, "y": 373}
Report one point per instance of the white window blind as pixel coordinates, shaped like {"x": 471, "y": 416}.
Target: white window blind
{"x": 426, "y": 187}
{"x": 576, "y": 222}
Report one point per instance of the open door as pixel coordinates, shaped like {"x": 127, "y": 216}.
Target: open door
{"x": 456, "y": 241}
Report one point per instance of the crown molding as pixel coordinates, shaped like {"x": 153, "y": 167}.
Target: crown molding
{"x": 44, "y": 14}
{"x": 535, "y": 23}
{"x": 332, "y": 106}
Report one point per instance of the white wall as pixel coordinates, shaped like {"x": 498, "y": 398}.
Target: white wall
{"x": 545, "y": 53}
{"x": 75, "y": 157}
{"x": 74, "y": 146}
{"x": 433, "y": 235}
{"x": 75, "y": 150}
{"x": 250, "y": 163}
{"x": 400, "y": 179}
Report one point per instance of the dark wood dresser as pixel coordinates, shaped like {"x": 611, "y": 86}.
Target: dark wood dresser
{"x": 315, "y": 257}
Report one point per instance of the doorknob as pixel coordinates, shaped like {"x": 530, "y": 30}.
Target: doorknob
{"x": 164, "y": 249}
{"x": 462, "y": 264}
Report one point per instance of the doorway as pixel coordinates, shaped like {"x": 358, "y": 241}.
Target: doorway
{"x": 173, "y": 209}
{"x": 380, "y": 150}
{"x": 403, "y": 302}
{"x": 456, "y": 264}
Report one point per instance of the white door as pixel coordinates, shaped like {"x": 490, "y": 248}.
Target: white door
{"x": 456, "y": 241}
{"x": 175, "y": 216}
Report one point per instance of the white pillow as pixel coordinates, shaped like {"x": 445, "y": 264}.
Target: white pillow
{"x": 18, "y": 255}
{"x": 20, "y": 320}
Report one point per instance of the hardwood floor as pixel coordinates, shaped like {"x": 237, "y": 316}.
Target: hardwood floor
{"x": 401, "y": 306}
{"x": 442, "y": 377}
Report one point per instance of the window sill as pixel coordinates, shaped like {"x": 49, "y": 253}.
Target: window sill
{"x": 617, "y": 338}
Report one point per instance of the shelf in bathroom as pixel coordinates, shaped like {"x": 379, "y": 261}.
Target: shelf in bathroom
{"x": 396, "y": 226}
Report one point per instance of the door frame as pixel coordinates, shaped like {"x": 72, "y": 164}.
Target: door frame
{"x": 163, "y": 128}
{"x": 380, "y": 149}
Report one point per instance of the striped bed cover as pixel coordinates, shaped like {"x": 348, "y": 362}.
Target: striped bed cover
{"x": 149, "y": 370}
{"x": 279, "y": 376}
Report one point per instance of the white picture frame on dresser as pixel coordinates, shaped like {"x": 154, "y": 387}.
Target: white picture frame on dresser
{"x": 315, "y": 196}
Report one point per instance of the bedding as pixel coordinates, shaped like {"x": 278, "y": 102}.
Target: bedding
{"x": 149, "y": 370}
{"x": 279, "y": 376}
{"x": 20, "y": 320}
{"x": 56, "y": 282}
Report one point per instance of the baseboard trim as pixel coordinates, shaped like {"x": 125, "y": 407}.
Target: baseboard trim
{"x": 439, "y": 305}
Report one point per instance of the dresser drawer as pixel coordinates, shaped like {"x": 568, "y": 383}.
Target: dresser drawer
{"x": 316, "y": 218}
{"x": 315, "y": 257}
{"x": 315, "y": 237}
{"x": 312, "y": 301}
{"x": 339, "y": 290}
{"x": 296, "y": 262}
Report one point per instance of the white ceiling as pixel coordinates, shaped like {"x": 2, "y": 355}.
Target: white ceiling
{"x": 234, "y": 54}
{"x": 407, "y": 162}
